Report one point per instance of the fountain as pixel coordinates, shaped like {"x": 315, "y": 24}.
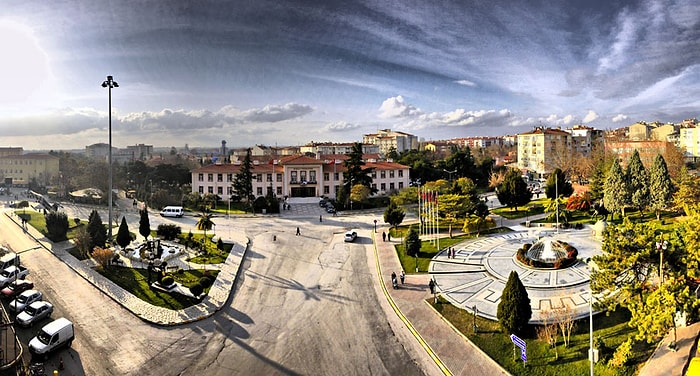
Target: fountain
{"x": 547, "y": 253}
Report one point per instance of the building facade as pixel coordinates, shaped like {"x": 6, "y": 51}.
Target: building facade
{"x": 386, "y": 140}
{"x": 536, "y": 149}
{"x": 21, "y": 170}
{"x": 296, "y": 176}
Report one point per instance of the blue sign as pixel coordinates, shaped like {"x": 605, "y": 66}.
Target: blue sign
{"x": 521, "y": 344}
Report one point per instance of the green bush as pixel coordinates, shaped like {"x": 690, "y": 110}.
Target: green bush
{"x": 622, "y": 354}
{"x": 206, "y": 281}
{"x": 196, "y": 289}
{"x": 167, "y": 281}
{"x": 168, "y": 231}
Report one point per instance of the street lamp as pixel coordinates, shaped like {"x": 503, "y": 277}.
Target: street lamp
{"x": 476, "y": 312}
{"x": 661, "y": 246}
{"x": 450, "y": 174}
{"x": 109, "y": 83}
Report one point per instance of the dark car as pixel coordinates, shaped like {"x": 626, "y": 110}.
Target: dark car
{"x": 15, "y": 288}
{"x": 330, "y": 209}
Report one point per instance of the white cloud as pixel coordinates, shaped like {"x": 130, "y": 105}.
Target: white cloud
{"x": 619, "y": 117}
{"x": 590, "y": 116}
{"x": 395, "y": 107}
{"x": 339, "y": 126}
{"x": 466, "y": 83}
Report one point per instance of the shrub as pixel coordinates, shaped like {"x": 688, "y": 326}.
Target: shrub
{"x": 168, "y": 231}
{"x": 622, "y": 354}
{"x": 102, "y": 256}
{"x": 205, "y": 281}
{"x": 167, "y": 281}
{"x": 196, "y": 289}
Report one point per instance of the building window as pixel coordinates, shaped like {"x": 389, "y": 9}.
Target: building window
{"x": 382, "y": 174}
{"x": 391, "y": 174}
{"x": 279, "y": 191}
{"x": 302, "y": 175}
{"x": 210, "y": 177}
{"x": 210, "y": 190}
{"x": 400, "y": 185}
{"x": 383, "y": 187}
{"x": 400, "y": 173}
{"x": 374, "y": 186}
{"x": 229, "y": 191}
{"x": 219, "y": 177}
{"x": 201, "y": 190}
{"x": 269, "y": 178}
{"x": 229, "y": 177}
{"x": 279, "y": 178}
{"x": 336, "y": 176}
{"x": 392, "y": 186}
{"x": 294, "y": 176}
{"x": 312, "y": 176}
{"x": 201, "y": 177}
{"x": 326, "y": 176}
{"x": 374, "y": 174}
{"x": 219, "y": 190}
{"x": 326, "y": 189}
{"x": 258, "y": 178}
{"x": 259, "y": 190}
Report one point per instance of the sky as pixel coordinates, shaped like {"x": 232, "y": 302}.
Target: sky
{"x": 283, "y": 73}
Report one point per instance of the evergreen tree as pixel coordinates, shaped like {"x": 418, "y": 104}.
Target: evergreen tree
{"x": 615, "y": 193}
{"x": 514, "y": 310}
{"x": 243, "y": 180}
{"x": 123, "y": 237}
{"x": 660, "y": 186}
{"x": 597, "y": 182}
{"x": 688, "y": 191}
{"x": 637, "y": 182}
{"x": 56, "y": 225}
{"x": 513, "y": 192}
{"x": 97, "y": 231}
{"x": 393, "y": 214}
{"x": 413, "y": 243}
{"x": 355, "y": 173}
{"x": 557, "y": 183}
{"x": 144, "y": 224}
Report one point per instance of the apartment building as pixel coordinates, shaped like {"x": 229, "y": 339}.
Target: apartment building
{"x": 689, "y": 139}
{"x": 536, "y": 149}
{"x": 387, "y": 140}
{"x": 296, "y": 176}
{"x": 325, "y": 148}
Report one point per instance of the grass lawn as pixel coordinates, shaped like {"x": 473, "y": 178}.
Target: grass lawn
{"x": 429, "y": 250}
{"x": 532, "y": 208}
{"x": 136, "y": 282}
{"x": 573, "y": 360}
{"x": 36, "y": 220}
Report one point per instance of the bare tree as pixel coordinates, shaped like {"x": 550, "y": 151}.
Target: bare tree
{"x": 547, "y": 332}
{"x": 564, "y": 318}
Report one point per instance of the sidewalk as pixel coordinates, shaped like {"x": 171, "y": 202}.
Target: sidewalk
{"x": 665, "y": 361}
{"x": 453, "y": 352}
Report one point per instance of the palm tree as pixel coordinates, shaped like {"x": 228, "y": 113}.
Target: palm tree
{"x": 205, "y": 223}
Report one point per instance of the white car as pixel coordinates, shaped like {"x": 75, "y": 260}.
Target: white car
{"x": 24, "y": 299}
{"x": 34, "y": 313}
{"x": 350, "y": 236}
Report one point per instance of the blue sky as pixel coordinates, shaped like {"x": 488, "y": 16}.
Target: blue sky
{"x": 290, "y": 72}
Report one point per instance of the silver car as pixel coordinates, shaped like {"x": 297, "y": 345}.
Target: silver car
{"x": 35, "y": 312}
{"x": 24, "y": 299}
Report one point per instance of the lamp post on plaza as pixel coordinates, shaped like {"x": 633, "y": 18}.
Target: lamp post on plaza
{"x": 449, "y": 176}
{"x": 661, "y": 246}
{"x": 109, "y": 83}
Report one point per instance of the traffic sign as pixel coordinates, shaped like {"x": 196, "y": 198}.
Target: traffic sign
{"x": 521, "y": 344}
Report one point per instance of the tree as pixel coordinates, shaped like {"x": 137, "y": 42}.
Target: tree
{"x": 123, "y": 236}
{"x": 454, "y": 206}
{"x": 393, "y": 214}
{"x": 144, "y": 224}
{"x": 547, "y": 331}
{"x": 514, "y": 310}
{"x": 660, "y": 186}
{"x": 656, "y": 316}
{"x": 626, "y": 264}
{"x": 205, "y": 224}
{"x": 413, "y": 243}
{"x": 97, "y": 230}
{"x": 637, "y": 182}
{"x": 688, "y": 191}
{"x": 103, "y": 256}
{"x": 82, "y": 241}
{"x": 56, "y": 225}
{"x": 355, "y": 173}
{"x": 243, "y": 180}
{"x": 513, "y": 192}
{"x": 580, "y": 201}
{"x": 565, "y": 318}
{"x": 615, "y": 193}
{"x": 558, "y": 184}
{"x": 359, "y": 193}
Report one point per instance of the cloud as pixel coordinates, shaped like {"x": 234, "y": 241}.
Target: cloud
{"x": 590, "y": 116}
{"x": 395, "y": 107}
{"x": 272, "y": 114}
{"x": 619, "y": 117}
{"x": 466, "y": 83}
{"x": 340, "y": 126}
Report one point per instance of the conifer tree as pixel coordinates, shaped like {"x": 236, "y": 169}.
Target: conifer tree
{"x": 123, "y": 237}
{"x": 615, "y": 194}
{"x": 144, "y": 224}
{"x": 393, "y": 214}
{"x": 660, "y": 186}
{"x": 637, "y": 182}
{"x": 413, "y": 243}
{"x": 97, "y": 231}
{"x": 514, "y": 310}
{"x": 513, "y": 191}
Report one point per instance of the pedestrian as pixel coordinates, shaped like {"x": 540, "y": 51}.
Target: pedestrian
{"x": 388, "y": 236}
{"x": 298, "y": 232}
{"x": 431, "y": 285}
{"x": 383, "y": 236}
{"x": 320, "y": 218}
{"x": 393, "y": 280}
{"x": 402, "y": 275}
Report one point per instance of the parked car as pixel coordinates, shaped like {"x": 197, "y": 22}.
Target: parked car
{"x": 35, "y": 312}
{"x": 15, "y": 288}
{"x": 330, "y": 209}
{"x": 24, "y": 299}
{"x": 323, "y": 202}
{"x": 350, "y": 236}
{"x": 12, "y": 273}
{"x": 52, "y": 336}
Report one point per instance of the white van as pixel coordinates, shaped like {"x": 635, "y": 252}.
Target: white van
{"x": 52, "y": 336}
{"x": 172, "y": 211}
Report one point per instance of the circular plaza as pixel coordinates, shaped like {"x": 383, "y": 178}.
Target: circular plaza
{"x": 479, "y": 270}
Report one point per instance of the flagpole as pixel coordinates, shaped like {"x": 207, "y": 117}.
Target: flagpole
{"x": 437, "y": 219}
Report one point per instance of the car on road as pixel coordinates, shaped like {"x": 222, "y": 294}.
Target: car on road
{"x": 24, "y": 299}
{"x": 330, "y": 209}
{"x": 350, "y": 236}
{"x": 15, "y": 288}
{"x": 35, "y": 312}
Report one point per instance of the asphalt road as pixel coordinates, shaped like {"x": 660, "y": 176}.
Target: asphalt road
{"x": 303, "y": 305}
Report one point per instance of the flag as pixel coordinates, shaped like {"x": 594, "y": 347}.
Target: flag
{"x": 332, "y": 162}
{"x": 272, "y": 161}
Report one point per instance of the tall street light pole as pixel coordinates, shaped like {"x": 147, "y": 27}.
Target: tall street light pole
{"x": 109, "y": 83}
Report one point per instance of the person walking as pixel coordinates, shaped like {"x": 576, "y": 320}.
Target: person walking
{"x": 388, "y": 236}
{"x": 320, "y": 218}
{"x": 402, "y": 276}
{"x": 393, "y": 280}
{"x": 298, "y": 232}
{"x": 431, "y": 285}
{"x": 383, "y": 236}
